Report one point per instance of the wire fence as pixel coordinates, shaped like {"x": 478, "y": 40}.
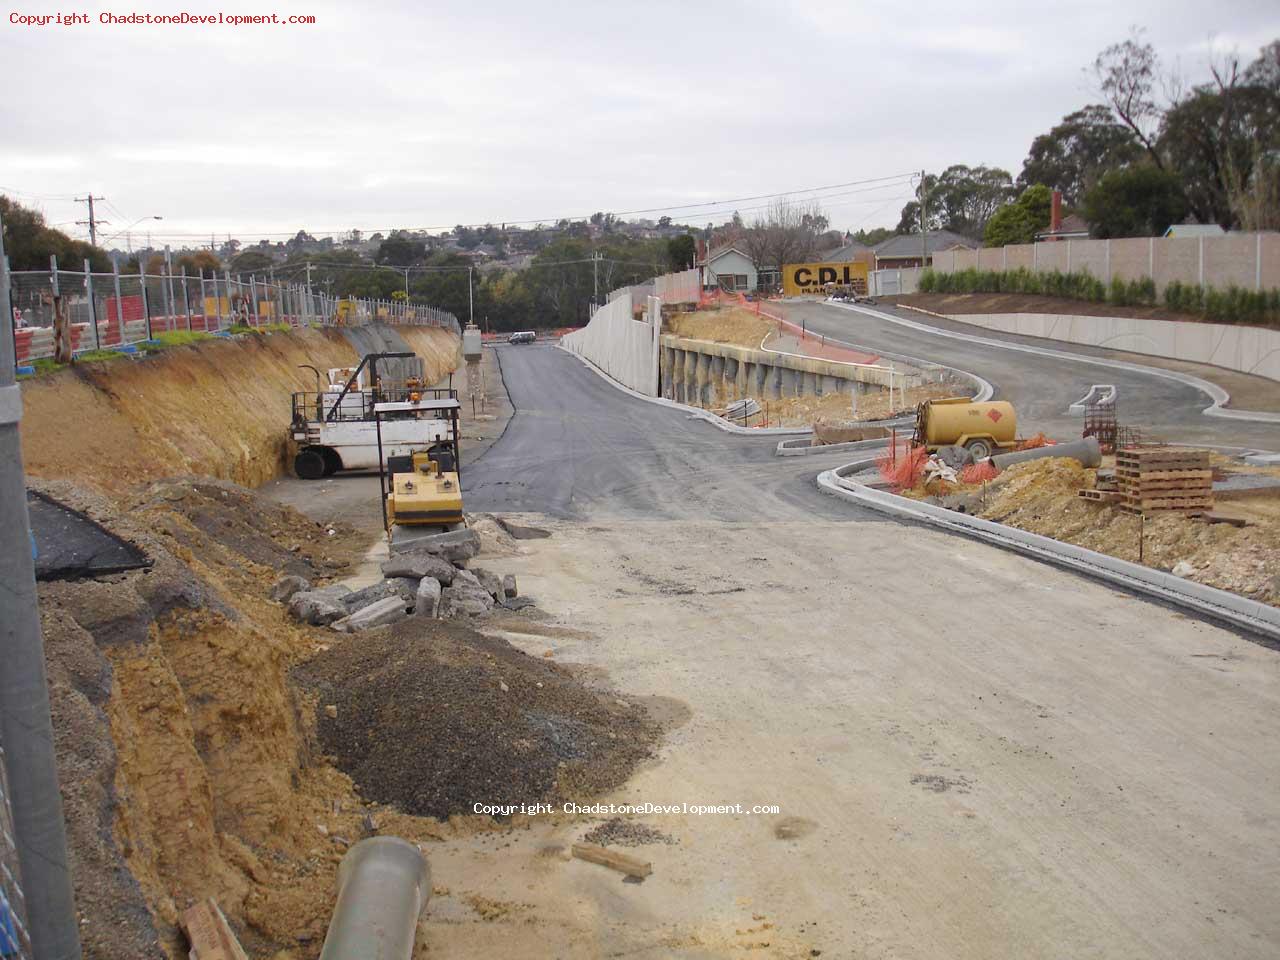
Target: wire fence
{"x": 115, "y": 311}
{"x": 15, "y": 942}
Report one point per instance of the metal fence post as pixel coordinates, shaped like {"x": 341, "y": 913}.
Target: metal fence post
{"x": 186, "y": 299}
{"x": 146, "y": 300}
{"x": 226, "y": 279}
{"x": 115, "y": 280}
{"x": 26, "y": 728}
{"x": 170, "y": 305}
{"x": 253, "y": 300}
{"x": 93, "y": 307}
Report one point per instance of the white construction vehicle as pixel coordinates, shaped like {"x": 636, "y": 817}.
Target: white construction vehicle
{"x": 335, "y": 427}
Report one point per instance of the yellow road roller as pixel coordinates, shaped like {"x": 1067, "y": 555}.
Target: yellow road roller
{"x": 981, "y": 428}
{"x": 422, "y": 488}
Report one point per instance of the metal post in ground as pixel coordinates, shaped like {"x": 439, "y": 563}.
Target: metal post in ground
{"x": 170, "y": 301}
{"x": 26, "y": 729}
{"x": 186, "y": 298}
{"x": 146, "y": 301}
{"x": 226, "y": 278}
{"x": 253, "y": 300}
{"x": 93, "y": 307}
{"x": 115, "y": 279}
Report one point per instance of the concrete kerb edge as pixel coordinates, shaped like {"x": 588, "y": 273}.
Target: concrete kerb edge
{"x": 1216, "y": 604}
{"x": 694, "y": 412}
{"x": 1219, "y": 397}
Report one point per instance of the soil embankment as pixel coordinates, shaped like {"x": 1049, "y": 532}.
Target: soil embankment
{"x": 215, "y": 409}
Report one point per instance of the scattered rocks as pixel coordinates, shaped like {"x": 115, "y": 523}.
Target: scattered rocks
{"x": 379, "y": 613}
{"x": 286, "y": 587}
{"x": 418, "y": 565}
{"x": 404, "y": 587}
{"x": 490, "y": 581}
{"x": 1183, "y": 569}
{"x": 428, "y": 599}
{"x": 316, "y": 608}
{"x": 456, "y": 546}
{"x": 331, "y": 711}
{"x": 620, "y": 832}
{"x": 509, "y": 590}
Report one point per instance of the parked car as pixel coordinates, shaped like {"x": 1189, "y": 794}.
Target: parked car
{"x": 523, "y": 336}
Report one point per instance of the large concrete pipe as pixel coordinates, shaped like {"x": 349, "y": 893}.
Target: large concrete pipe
{"x": 383, "y": 887}
{"x": 1086, "y": 451}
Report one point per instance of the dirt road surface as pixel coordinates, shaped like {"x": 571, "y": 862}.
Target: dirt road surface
{"x": 973, "y": 755}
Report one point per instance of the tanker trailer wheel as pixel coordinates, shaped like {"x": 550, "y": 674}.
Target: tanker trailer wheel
{"x": 309, "y": 464}
{"x": 981, "y": 448}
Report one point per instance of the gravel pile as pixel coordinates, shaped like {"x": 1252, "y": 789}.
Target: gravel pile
{"x": 618, "y": 832}
{"x": 433, "y": 717}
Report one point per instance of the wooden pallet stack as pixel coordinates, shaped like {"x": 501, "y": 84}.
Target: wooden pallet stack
{"x": 1164, "y": 479}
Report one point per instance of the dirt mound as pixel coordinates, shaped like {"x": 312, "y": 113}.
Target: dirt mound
{"x": 434, "y": 717}
{"x": 1040, "y": 496}
{"x": 736, "y": 325}
{"x": 218, "y": 408}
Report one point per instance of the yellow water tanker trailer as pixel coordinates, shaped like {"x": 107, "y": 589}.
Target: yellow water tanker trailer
{"x": 981, "y": 428}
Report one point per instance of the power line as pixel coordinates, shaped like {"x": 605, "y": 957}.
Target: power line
{"x": 701, "y": 209}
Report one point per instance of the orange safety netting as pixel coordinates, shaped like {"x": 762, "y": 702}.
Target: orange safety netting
{"x": 902, "y": 467}
{"x": 979, "y": 472}
{"x": 1031, "y": 443}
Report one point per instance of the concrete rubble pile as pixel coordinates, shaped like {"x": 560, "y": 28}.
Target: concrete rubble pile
{"x": 431, "y": 579}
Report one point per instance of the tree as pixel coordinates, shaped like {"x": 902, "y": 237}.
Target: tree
{"x": 960, "y": 199}
{"x": 1141, "y": 201}
{"x": 1019, "y": 221}
{"x": 251, "y": 261}
{"x": 1223, "y": 139}
{"x": 869, "y": 238}
{"x": 1126, "y": 73}
{"x": 401, "y": 251}
{"x": 202, "y": 263}
{"x": 29, "y": 243}
{"x": 1075, "y": 153}
{"x": 682, "y": 251}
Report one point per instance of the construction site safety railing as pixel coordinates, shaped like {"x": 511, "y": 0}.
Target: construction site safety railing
{"x": 117, "y": 311}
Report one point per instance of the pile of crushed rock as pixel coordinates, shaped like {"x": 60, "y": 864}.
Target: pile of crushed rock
{"x": 431, "y": 579}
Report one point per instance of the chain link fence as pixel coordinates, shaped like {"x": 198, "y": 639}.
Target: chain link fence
{"x": 114, "y": 311}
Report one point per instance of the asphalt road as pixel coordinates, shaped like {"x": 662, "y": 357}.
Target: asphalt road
{"x": 577, "y": 447}
{"x": 1041, "y": 388}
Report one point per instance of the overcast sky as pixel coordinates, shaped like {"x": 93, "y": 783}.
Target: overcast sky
{"x": 429, "y": 114}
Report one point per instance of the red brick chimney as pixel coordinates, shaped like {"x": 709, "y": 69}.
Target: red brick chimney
{"x": 1055, "y": 213}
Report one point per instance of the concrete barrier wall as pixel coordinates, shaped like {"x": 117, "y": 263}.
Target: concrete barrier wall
{"x": 702, "y": 373}
{"x": 684, "y": 287}
{"x": 886, "y": 283}
{"x": 1246, "y": 349}
{"x": 1247, "y": 260}
{"x": 620, "y": 346}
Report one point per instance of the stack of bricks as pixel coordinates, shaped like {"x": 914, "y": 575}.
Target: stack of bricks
{"x": 1164, "y": 479}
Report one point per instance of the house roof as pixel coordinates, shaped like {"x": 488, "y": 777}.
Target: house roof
{"x": 1194, "y": 230}
{"x": 719, "y": 252}
{"x": 1073, "y": 225}
{"x": 844, "y": 253}
{"x": 908, "y": 244}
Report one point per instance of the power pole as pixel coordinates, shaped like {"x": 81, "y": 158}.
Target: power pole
{"x": 595, "y": 278}
{"x": 924, "y": 220}
{"x": 92, "y": 222}
{"x": 26, "y": 727}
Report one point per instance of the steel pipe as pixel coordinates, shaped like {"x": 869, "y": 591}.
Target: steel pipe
{"x": 1086, "y": 451}
{"x": 383, "y": 887}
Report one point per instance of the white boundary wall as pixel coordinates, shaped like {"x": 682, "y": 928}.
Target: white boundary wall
{"x": 1246, "y": 349}
{"x": 1247, "y": 260}
{"x": 624, "y": 348}
{"x": 685, "y": 287}
{"x": 886, "y": 283}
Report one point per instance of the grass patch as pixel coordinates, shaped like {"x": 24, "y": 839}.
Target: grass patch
{"x": 94, "y": 356}
{"x": 263, "y": 329}
{"x": 174, "y": 338}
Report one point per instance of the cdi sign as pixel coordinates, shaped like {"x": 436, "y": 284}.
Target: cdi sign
{"x": 799, "y": 279}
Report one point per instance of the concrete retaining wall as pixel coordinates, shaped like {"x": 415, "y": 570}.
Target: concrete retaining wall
{"x": 700, "y": 372}
{"x": 1246, "y": 349}
{"x": 620, "y": 346}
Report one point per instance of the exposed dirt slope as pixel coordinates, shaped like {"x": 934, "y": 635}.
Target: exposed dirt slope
{"x": 217, "y": 409}
{"x": 190, "y": 764}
